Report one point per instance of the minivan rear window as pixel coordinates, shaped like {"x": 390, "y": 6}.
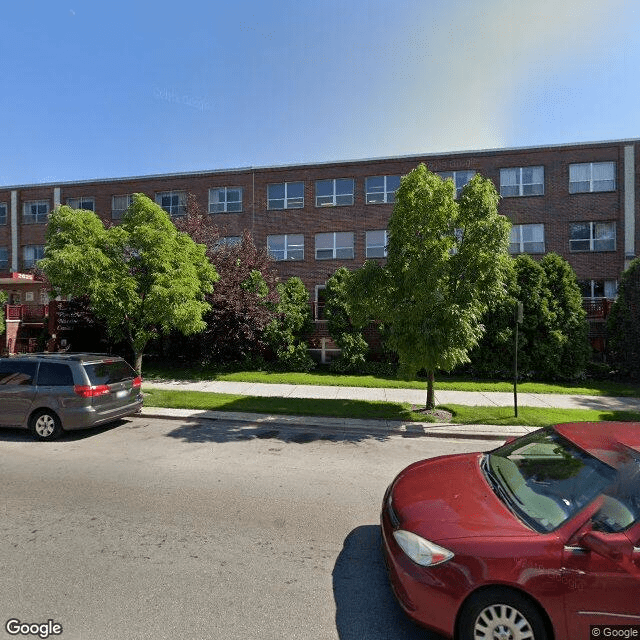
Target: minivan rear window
{"x": 109, "y": 372}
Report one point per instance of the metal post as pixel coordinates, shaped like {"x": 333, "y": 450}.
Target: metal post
{"x": 518, "y": 318}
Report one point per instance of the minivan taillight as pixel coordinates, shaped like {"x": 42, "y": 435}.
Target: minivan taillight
{"x": 137, "y": 382}
{"x": 89, "y": 391}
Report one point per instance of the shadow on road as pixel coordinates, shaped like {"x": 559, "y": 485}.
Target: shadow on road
{"x": 365, "y": 605}
{"x": 12, "y": 434}
{"x": 205, "y": 430}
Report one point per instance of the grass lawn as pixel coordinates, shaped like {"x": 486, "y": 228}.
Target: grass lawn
{"x": 443, "y": 383}
{"x": 528, "y": 416}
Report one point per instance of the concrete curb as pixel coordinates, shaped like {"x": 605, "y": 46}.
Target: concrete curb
{"x": 387, "y": 427}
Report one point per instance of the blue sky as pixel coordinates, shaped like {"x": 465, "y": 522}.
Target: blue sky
{"x": 110, "y": 89}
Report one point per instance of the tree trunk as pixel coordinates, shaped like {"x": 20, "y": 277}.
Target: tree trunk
{"x": 430, "y": 395}
{"x": 138, "y": 362}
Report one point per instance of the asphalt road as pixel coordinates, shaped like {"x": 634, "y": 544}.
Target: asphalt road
{"x": 167, "y": 529}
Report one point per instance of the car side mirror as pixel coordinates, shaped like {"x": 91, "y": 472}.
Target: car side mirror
{"x": 602, "y": 544}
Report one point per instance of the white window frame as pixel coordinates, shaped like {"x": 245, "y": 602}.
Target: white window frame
{"x": 513, "y": 185}
{"x": 3, "y": 213}
{"x": 117, "y": 211}
{"x": 338, "y": 196}
{"x": 174, "y": 210}
{"x": 373, "y": 194}
{"x": 371, "y": 247}
{"x": 4, "y": 258}
{"x": 225, "y": 205}
{"x": 338, "y": 248}
{"x": 31, "y": 261}
{"x": 590, "y": 179}
{"x": 461, "y": 178}
{"x": 81, "y": 202}
{"x": 292, "y": 247}
{"x": 288, "y": 201}
{"x": 35, "y": 212}
{"x": 518, "y": 243}
{"x": 611, "y": 285}
{"x": 594, "y": 229}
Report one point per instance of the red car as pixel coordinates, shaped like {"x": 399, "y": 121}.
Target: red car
{"x": 536, "y": 540}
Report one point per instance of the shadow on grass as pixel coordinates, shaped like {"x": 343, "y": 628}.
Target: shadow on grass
{"x": 329, "y": 408}
{"x": 365, "y": 605}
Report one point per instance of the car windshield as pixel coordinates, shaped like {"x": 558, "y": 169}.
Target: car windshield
{"x": 544, "y": 479}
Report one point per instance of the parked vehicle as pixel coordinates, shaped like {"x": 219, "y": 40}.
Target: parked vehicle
{"x": 48, "y": 393}
{"x": 535, "y": 540}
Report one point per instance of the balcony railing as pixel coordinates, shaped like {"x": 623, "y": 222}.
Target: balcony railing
{"x": 27, "y": 312}
{"x": 597, "y": 308}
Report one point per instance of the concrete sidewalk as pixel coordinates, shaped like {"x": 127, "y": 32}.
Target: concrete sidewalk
{"x": 375, "y": 427}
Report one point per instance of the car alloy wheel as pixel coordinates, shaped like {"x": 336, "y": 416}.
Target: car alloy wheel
{"x": 501, "y": 614}
{"x": 45, "y": 425}
{"x": 502, "y": 622}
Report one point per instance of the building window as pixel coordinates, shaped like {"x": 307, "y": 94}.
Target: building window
{"x": 3, "y": 213}
{"x": 592, "y": 236}
{"x": 4, "y": 258}
{"x": 119, "y": 204}
{"x": 527, "y": 238}
{"x": 330, "y": 246}
{"x": 173, "y": 202}
{"x": 381, "y": 189}
{"x": 460, "y": 178}
{"x": 522, "y": 181}
{"x": 592, "y": 176}
{"x": 377, "y": 244}
{"x": 334, "y": 193}
{"x": 599, "y": 288}
{"x": 227, "y": 241}
{"x": 36, "y": 211}
{"x": 286, "y": 247}
{"x": 31, "y": 254}
{"x": 225, "y": 200}
{"x": 88, "y": 204}
{"x": 285, "y": 195}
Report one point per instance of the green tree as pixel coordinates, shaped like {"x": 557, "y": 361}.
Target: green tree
{"x": 140, "y": 276}
{"x": 553, "y": 337}
{"x": 569, "y": 318}
{"x": 287, "y": 332}
{"x": 348, "y": 338}
{"x": 446, "y": 262}
{"x": 623, "y": 324}
{"x": 3, "y": 299}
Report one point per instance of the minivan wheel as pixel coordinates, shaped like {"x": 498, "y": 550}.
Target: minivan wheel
{"x": 45, "y": 425}
{"x": 500, "y": 614}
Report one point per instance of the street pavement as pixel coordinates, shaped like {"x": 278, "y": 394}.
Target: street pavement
{"x": 413, "y": 396}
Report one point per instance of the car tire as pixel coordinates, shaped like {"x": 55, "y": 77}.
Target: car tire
{"x": 45, "y": 425}
{"x": 501, "y": 613}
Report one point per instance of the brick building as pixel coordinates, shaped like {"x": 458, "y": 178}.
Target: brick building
{"x": 578, "y": 200}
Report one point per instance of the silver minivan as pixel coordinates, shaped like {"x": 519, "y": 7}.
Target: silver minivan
{"x": 48, "y": 393}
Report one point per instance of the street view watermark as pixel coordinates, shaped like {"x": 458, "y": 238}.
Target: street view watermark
{"x": 615, "y": 631}
{"x": 15, "y": 627}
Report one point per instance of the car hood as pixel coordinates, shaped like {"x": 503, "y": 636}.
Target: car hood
{"x": 448, "y": 497}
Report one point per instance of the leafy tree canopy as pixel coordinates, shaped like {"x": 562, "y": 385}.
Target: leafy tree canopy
{"x": 446, "y": 262}
{"x": 623, "y": 324}
{"x": 3, "y": 299}
{"x": 140, "y": 276}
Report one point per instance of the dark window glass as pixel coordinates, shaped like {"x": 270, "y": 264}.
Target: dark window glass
{"x": 16, "y": 372}
{"x": 54, "y": 374}
{"x": 109, "y": 372}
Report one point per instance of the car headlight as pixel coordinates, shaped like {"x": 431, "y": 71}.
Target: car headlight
{"x": 421, "y": 551}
